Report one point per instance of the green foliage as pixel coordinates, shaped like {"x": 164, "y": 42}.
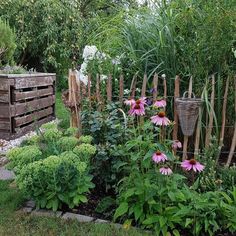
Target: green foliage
{"x": 52, "y": 135}
{"x": 7, "y": 43}
{"x": 67, "y": 143}
{"x": 50, "y": 125}
{"x": 85, "y": 151}
{"x": 22, "y": 156}
{"x": 86, "y": 139}
{"x": 53, "y": 181}
{"x": 71, "y": 131}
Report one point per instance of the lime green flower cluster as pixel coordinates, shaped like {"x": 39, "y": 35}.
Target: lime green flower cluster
{"x": 85, "y": 151}
{"x": 71, "y": 131}
{"x": 52, "y": 135}
{"x": 49, "y": 126}
{"x": 21, "y": 156}
{"x": 67, "y": 143}
{"x": 86, "y": 139}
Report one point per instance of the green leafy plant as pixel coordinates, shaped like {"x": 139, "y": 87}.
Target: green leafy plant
{"x": 67, "y": 143}
{"x": 54, "y": 181}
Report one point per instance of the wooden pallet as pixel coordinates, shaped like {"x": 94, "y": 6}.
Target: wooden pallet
{"x": 26, "y": 102}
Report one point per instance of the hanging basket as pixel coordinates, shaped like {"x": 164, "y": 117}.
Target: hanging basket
{"x": 188, "y": 111}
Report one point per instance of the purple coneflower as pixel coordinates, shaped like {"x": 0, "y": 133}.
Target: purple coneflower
{"x": 176, "y": 144}
{"x": 129, "y": 102}
{"x": 160, "y": 119}
{"x": 166, "y": 171}
{"x": 160, "y": 103}
{"x": 159, "y": 157}
{"x": 192, "y": 164}
{"x": 137, "y": 108}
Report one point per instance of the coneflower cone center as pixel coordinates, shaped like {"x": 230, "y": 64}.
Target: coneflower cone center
{"x": 138, "y": 102}
{"x": 192, "y": 162}
{"x": 137, "y": 106}
{"x": 161, "y": 114}
{"x": 158, "y": 153}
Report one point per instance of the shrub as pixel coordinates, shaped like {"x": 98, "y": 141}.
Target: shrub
{"x": 21, "y": 156}
{"x": 50, "y": 125}
{"x": 67, "y": 143}
{"x": 7, "y": 43}
{"x": 54, "y": 181}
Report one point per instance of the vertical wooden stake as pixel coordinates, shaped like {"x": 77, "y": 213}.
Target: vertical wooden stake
{"x": 210, "y": 124}
{"x": 222, "y": 132}
{"x": 133, "y": 86}
{"x": 89, "y": 91}
{"x": 233, "y": 144}
{"x": 176, "y": 120}
{"x": 165, "y": 87}
{"x": 98, "y": 92}
{"x": 109, "y": 88}
{"x": 155, "y": 85}
{"x": 185, "y": 145}
{"x": 143, "y": 93}
{"x": 121, "y": 97}
{"x": 74, "y": 122}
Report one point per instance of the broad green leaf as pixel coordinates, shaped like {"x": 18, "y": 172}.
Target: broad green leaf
{"x": 121, "y": 210}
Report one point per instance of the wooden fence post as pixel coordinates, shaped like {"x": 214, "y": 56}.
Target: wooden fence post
{"x": 109, "y": 88}
{"x": 233, "y": 144}
{"x": 176, "y": 119}
{"x": 121, "y": 97}
{"x": 155, "y": 85}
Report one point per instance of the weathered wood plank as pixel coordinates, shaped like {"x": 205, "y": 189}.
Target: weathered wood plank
{"x": 33, "y": 126}
{"x": 143, "y": 93}
{"x": 18, "y": 121}
{"x": 155, "y": 85}
{"x": 6, "y": 83}
{"x": 4, "y": 96}
{"x": 17, "y": 95}
{"x": 34, "y": 81}
{"x": 4, "y": 110}
{"x": 5, "y": 134}
{"x": 21, "y": 108}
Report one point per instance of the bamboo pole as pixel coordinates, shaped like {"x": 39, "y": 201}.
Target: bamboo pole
{"x": 121, "y": 97}
{"x": 233, "y": 144}
{"x": 176, "y": 120}
{"x": 185, "y": 145}
{"x": 211, "y": 114}
{"x": 155, "y": 85}
{"x": 222, "y": 132}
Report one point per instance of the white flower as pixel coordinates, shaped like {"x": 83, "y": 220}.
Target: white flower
{"x": 89, "y": 52}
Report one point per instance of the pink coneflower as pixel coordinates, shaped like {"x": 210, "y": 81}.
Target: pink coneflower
{"x": 159, "y": 157}
{"x": 160, "y": 103}
{"x": 137, "y": 108}
{"x": 192, "y": 164}
{"x": 129, "y": 102}
{"x": 166, "y": 171}
{"x": 160, "y": 119}
{"x": 176, "y": 144}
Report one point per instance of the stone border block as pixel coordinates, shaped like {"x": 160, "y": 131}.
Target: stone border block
{"x": 79, "y": 218}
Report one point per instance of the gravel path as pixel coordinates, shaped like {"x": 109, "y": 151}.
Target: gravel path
{"x": 6, "y": 174}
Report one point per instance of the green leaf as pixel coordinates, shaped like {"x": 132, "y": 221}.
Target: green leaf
{"x": 151, "y": 220}
{"x": 176, "y": 232}
{"x": 121, "y": 210}
{"x": 137, "y": 212}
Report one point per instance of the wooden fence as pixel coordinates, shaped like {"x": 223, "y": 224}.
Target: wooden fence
{"x": 78, "y": 91}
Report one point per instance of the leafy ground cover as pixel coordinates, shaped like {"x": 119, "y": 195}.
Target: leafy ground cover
{"x": 12, "y": 220}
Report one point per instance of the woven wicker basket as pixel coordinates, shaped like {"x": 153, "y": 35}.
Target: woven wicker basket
{"x": 188, "y": 111}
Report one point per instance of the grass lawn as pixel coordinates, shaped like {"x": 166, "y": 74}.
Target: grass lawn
{"x": 13, "y": 222}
